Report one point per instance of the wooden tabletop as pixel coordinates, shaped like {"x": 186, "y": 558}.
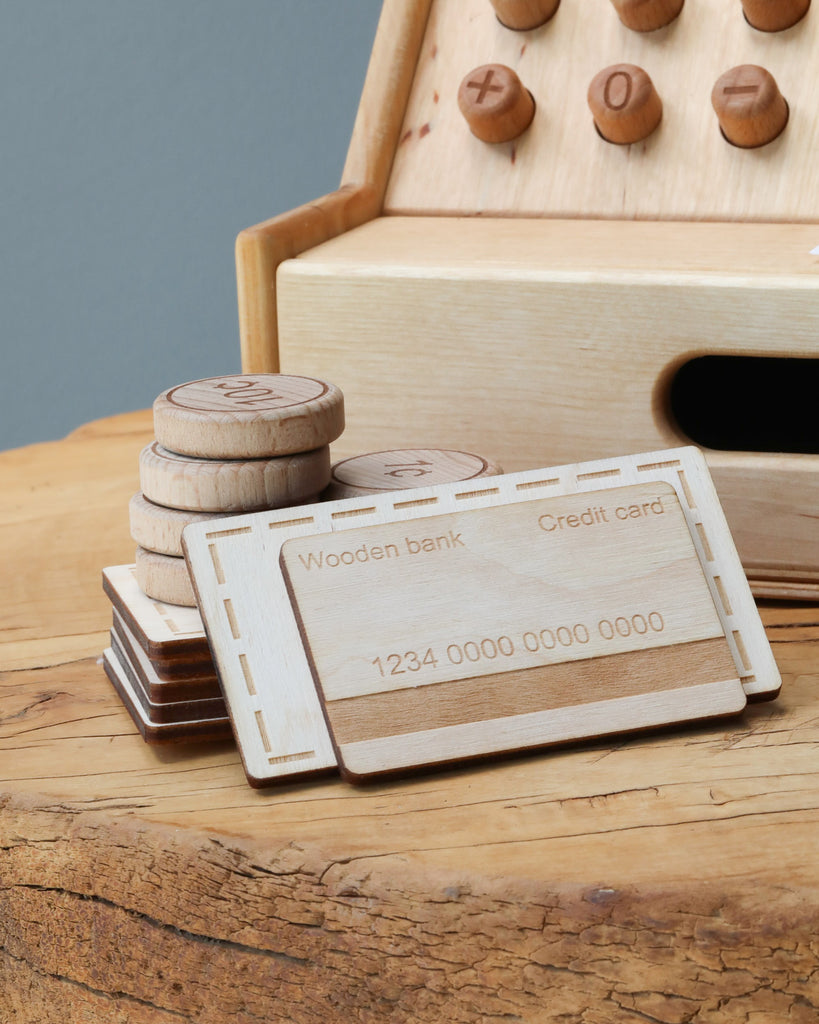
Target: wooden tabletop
{"x": 670, "y": 877}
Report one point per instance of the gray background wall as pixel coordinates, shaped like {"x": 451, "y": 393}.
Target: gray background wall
{"x": 137, "y": 137}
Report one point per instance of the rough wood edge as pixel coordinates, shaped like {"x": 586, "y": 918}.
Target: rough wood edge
{"x": 361, "y": 940}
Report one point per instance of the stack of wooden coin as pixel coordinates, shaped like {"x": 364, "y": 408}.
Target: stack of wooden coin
{"x": 227, "y": 445}
{"x": 224, "y": 446}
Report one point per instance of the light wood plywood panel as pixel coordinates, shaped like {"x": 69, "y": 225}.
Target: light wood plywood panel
{"x": 561, "y": 167}
{"x": 537, "y": 341}
{"x": 243, "y": 571}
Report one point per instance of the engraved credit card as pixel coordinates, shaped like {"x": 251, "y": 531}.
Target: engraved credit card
{"x": 387, "y": 632}
{"x": 508, "y": 627}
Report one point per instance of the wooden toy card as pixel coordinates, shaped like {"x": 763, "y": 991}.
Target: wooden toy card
{"x": 451, "y": 622}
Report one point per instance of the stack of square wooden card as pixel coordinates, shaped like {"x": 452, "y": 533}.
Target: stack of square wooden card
{"x": 160, "y": 664}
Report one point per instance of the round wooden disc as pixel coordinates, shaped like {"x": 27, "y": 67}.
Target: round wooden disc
{"x": 248, "y": 416}
{"x": 164, "y": 578}
{"x": 237, "y": 485}
{"x": 157, "y": 528}
{"x": 402, "y": 468}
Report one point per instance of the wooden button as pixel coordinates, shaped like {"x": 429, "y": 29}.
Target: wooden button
{"x": 624, "y": 103}
{"x": 403, "y": 468}
{"x": 522, "y": 15}
{"x": 213, "y": 485}
{"x": 647, "y": 15}
{"x": 495, "y": 104}
{"x": 749, "y": 105}
{"x": 774, "y": 15}
{"x": 158, "y": 528}
{"x": 164, "y": 578}
{"x": 248, "y": 417}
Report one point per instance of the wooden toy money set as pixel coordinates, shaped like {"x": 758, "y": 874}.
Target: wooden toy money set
{"x": 224, "y": 446}
{"x": 408, "y": 626}
{"x": 571, "y": 230}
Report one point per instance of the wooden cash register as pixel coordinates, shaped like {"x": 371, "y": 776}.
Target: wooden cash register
{"x": 663, "y": 877}
{"x": 562, "y": 292}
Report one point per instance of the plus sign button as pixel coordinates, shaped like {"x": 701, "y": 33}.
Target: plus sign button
{"x": 495, "y": 103}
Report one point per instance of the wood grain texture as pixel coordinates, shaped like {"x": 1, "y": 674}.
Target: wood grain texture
{"x": 159, "y": 528}
{"x": 404, "y": 468}
{"x": 245, "y": 598}
{"x": 671, "y": 877}
{"x": 185, "y": 709}
{"x": 551, "y": 374}
{"x": 184, "y": 683}
{"x": 248, "y": 416}
{"x": 231, "y": 485}
{"x": 164, "y": 727}
{"x": 164, "y": 578}
{"x": 261, "y": 249}
{"x": 684, "y": 170}
{"x": 172, "y": 636}
{"x": 377, "y": 127}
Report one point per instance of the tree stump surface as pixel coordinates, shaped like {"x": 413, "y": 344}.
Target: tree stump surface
{"x": 669, "y": 877}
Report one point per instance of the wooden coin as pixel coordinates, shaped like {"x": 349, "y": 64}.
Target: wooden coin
{"x": 647, "y": 15}
{"x": 248, "y": 417}
{"x": 624, "y": 103}
{"x": 164, "y": 578}
{"x": 403, "y": 468}
{"x": 522, "y": 15}
{"x": 495, "y": 103}
{"x": 774, "y": 15}
{"x": 236, "y": 485}
{"x": 158, "y": 528}
{"x": 751, "y": 110}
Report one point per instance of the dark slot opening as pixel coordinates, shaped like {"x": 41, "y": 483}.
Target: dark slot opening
{"x": 749, "y": 403}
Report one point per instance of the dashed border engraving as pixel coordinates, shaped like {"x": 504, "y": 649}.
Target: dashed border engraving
{"x": 416, "y": 503}
{"x": 304, "y": 755}
{"x": 599, "y": 474}
{"x": 671, "y": 464}
{"x": 529, "y": 485}
{"x": 291, "y": 522}
{"x": 248, "y": 675}
{"x": 477, "y": 494}
{"x": 217, "y": 563}
{"x": 229, "y": 533}
{"x": 347, "y": 512}
{"x": 262, "y": 727}
{"x": 231, "y": 617}
{"x": 686, "y": 489}
{"x": 683, "y": 469}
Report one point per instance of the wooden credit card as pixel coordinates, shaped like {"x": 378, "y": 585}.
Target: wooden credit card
{"x": 448, "y": 623}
